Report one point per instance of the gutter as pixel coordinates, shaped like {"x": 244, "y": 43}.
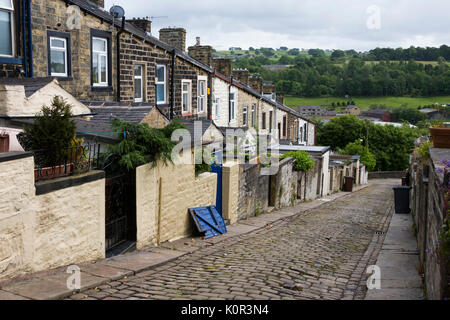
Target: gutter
{"x": 122, "y": 29}
{"x": 30, "y": 41}
{"x": 24, "y": 40}
{"x": 24, "y": 116}
{"x": 172, "y": 85}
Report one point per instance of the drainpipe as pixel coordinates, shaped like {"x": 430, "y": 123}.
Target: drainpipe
{"x": 172, "y": 85}
{"x": 210, "y": 96}
{"x": 229, "y": 102}
{"x": 30, "y": 41}
{"x": 122, "y": 29}
{"x": 24, "y": 39}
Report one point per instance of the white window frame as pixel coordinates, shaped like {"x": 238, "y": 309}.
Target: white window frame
{"x": 253, "y": 115}
{"x": 10, "y": 10}
{"x": 141, "y": 77}
{"x": 66, "y": 67}
{"x": 201, "y": 107}
{"x": 216, "y": 108}
{"x": 163, "y": 83}
{"x": 245, "y": 116}
{"x": 233, "y": 107}
{"x": 189, "y": 93}
{"x": 101, "y": 54}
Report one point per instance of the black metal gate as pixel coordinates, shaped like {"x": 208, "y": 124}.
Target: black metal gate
{"x": 120, "y": 210}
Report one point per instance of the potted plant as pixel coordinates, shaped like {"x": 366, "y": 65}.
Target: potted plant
{"x": 4, "y": 142}
{"x": 440, "y": 134}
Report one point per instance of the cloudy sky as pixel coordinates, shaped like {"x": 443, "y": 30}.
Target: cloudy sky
{"x": 326, "y": 24}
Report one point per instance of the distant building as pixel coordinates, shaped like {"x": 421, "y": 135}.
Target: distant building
{"x": 354, "y": 110}
{"x": 381, "y": 114}
{"x": 309, "y": 111}
{"x": 277, "y": 67}
{"x": 435, "y": 114}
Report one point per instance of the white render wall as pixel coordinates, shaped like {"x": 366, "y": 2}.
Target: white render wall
{"x": 221, "y": 91}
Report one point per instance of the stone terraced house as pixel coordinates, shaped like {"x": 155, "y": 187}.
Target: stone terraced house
{"x": 99, "y": 58}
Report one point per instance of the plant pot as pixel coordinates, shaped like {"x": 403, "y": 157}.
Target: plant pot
{"x": 4, "y": 142}
{"x": 440, "y": 137}
{"x": 48, "y": 173}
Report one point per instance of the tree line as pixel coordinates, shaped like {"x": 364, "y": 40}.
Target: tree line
{"x": 320, "y": 75}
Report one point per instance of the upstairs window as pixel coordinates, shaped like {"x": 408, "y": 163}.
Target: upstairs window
{"x": 264, "y": 123}
{"x": 232, "y": 115}
{"x": 100, "y": 62}
{"x": 138, "y": 83}
{"x": 201, "y": 96}
{"x": 244, "y": 117}
{"x": 216, "y": 108}
{"x": 161, "y": 84}
{"x": 6, "y": 28}
{"x": 59, "y": 54}
{"x": 186, "y": 97}
{"x": 253, "y": 116}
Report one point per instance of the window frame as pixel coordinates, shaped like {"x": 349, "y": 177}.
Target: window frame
{"x": 253, "y": 115}
{"x": 11, "y": 11}
{"x": 103, "y": 35}
{"x": 216, "y": 108}
{"x": 264, "y": 121}
{"x": 189, "y": 93}
{"x": 163, "y": 83}
{"x": 245, "y": 116}
{"x": 61, "y": 36}
{"x": 232, "y": 115}
{"x": 141, "y": 77}
{"x": 204, "y": 97}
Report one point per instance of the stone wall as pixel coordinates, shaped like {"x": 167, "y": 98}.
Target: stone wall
{"x": 283, "y": 185}
{"x": 253, "y": 191}
{"x": 230, "y": 191}
{"x": 427, "y": 204}
{"x": 309, "y": 183}
{"x": 386, "y": 175}
{"x": 164, "y": 195}
{"x": 44, "y": 230}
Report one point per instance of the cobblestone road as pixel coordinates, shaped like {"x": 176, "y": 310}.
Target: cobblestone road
{"x": 318, "y": 254}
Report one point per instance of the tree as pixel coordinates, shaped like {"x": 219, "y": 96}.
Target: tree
{"x": 355, "y": 148}
{"x": 337, "y": 54}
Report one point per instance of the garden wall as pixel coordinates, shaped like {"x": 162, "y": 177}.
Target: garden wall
{"x": 163, "y": 196}
{"x": 253, "y": 191}
{"x": 427, "y": 204}
{"x": 283, "y": 185}
{"x": 50, "y": 224}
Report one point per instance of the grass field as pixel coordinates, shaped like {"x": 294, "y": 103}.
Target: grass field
{"x": 365, "y": 102}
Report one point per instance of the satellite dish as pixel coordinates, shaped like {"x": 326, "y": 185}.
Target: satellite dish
{"x": 117, "y": 12}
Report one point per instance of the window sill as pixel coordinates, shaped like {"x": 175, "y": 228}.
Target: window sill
{"x": 11, "y": 60}
{"x": 102, "y": 89}
{"x": 186, "y": 114}
{"x": 69, "y": 78}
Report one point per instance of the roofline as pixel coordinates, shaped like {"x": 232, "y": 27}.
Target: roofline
{"x": 24, "y": 116}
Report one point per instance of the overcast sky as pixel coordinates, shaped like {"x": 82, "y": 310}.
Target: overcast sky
{"x": 326, "y": 24}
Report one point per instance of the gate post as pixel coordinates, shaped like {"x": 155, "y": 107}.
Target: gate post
{"x": 230, "y": 191}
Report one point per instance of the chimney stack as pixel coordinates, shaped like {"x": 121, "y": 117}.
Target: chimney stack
{"x": 142, "y": 23}
{"x": 99, "y": 3}
{"x": 242, "y": 75}
{"x": 201, "y": 53}
{"x": 257, "y": 83}
{"x": 223, "y": 65}
{"x": 175, "y": 37}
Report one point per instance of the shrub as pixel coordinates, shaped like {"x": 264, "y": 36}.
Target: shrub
{"x": 424, "y": 150}
{"x": 367, "y": 158}
{"x": 52, "y": 133}
{"x": 302, "y": 160}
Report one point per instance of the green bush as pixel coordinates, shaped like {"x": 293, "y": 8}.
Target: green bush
{"x": 424, "y": 150}
{"x": 51, "y": 134}
{"x": 302, "y": 160}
